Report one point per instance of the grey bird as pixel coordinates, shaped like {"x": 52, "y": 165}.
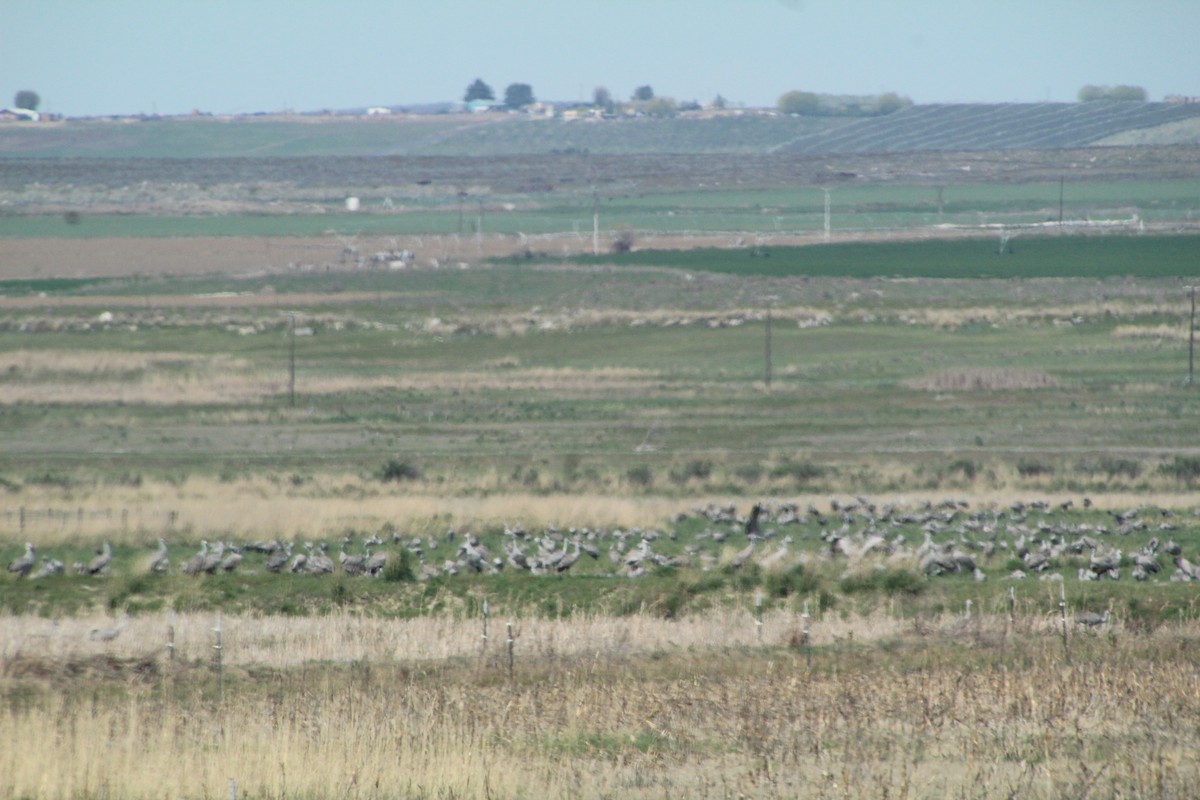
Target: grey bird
{"x": 159, "y": 561}
{"x": 108, "y": 634}
{"x": 24, "y": 565}
{"x": 1091, "y": 619}
{"x": 99, "y": 564}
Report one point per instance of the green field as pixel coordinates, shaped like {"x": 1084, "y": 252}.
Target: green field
{"x": 1024, "y": 257}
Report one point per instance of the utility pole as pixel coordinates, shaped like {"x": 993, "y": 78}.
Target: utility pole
{"x": 1192, "y": 338}
{"x": 827, "y": 210}
{"x": 1060, "y": 200}
{"x": 595, "y": 222}
{"x": 292, "y": 361}
{"x": 768, "y": 367}
{"x": 479, "y": 231}
{"x": 767, "y": 376}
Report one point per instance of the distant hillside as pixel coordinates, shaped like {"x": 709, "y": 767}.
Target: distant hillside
{"x": 916, "y": 129}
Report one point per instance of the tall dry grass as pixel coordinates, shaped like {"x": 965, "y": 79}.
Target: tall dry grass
{"x": 265, "y": 507}
{"x": 958, "y": 708}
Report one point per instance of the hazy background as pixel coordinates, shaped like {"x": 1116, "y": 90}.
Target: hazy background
{"x": 227, "y": 56}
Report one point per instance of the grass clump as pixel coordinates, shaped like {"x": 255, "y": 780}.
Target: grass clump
{"x": 396, "y": 470}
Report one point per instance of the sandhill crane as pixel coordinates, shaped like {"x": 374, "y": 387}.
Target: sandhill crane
{"x": 300, "y": 562}
{"x": 320, "y": 563}
{"x": 778, "y": 556}
{"x": 744, "y": 555}
{"x": 212, "y": 561}
{"x": 278, "y": 558}
{"x": 24, "y": 565}
{"x": 1091, "y": 619}
{"x": 50, "y": 566}
{"x": 1147, "y": 563}
{"x": 567, "y": 561}
{"x": 375, "y": 563}
{"x": 231, "y": 560}
{"x": 1104, "y": 563}
{"x": 516, "y": 557}
{"x": 194, "y": 564}
{"x": 351, "y": 565}
{"x": 108, "y": 634}
{"x": 752, "y": 522}
{"x": 1187, "y": 568}
{"x": 99, "y": 564}
{"x": 159, "y": 562}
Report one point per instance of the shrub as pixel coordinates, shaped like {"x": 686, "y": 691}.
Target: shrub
{"x": 750, "y": 473}
{"x": 799, "y": 471}
{"x": 399, "y": 568}
{"x": 1183, "y": 468}
{"x": 641, "y": 476}
{"x": 398, "y": 470}
{"x": 892, "y": 581}
{"x": 693, "y": 469}
{"x": 793, "y": 581}
{"x": 966, "y": 466}
{"x": 1030, "y": 468}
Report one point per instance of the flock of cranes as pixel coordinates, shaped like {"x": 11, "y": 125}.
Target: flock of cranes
{"x": 934, "y": 539}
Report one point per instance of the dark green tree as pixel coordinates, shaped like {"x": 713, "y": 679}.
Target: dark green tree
{"x": 643, "y": 93}
{"x": 890, "y": 102}
{"x": 799, "y": 103}
{"x": 1132, "y": 94}
{"x": 602, "y": 98}
{"x": 519, "y": 95}
{"x": 479, "y": 91}
{"x": 27, "y": 99}
{"x": 1091, "y": 93}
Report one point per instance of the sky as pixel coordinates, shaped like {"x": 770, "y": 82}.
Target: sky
{"x": 99, "y": 57}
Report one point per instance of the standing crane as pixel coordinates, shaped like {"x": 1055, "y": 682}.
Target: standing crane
{"x": 99, "y": 564}
{"x": 159, "y": 561}
{"x": 24, "y": 565}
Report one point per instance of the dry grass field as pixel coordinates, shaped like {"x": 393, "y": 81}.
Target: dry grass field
{"x": 597, "y": 707}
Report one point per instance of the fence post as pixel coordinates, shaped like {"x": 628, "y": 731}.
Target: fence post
{"x": 758, "y": 623}
{"x": 806, "y": 637}
{"x": 220, "y": 671}
{"x": 1062, "y": 608}
{"x": 485, "y": 624}
{"x": 509, "y": 646}
{"x": 171, "y": 635}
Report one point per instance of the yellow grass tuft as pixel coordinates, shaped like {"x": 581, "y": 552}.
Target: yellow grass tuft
{"x": 983, "y": 380}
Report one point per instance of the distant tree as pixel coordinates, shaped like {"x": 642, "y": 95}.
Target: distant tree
{"x": 643, "y": 93}
{"x": 1091, "y": 93}
{"x": 659, "y": 107}
{"x": 799, "y": 103}
{"x": 519, "y": 95}
{"x": 890, "y": 102}
{"x": 27, "y": 99}
{"x": 602, "y": 98}
{"x": 719, "y": 103}
{"x": 479, "y": 91}
{"x": 1128, "y": 93}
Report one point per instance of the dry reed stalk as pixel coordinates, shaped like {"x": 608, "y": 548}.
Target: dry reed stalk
{"x": 983, "y": 380}
{"x": 693, "y": 723}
